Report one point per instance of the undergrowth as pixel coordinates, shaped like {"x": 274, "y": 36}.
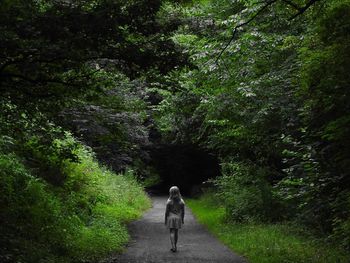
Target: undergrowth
{"x": 82, "y": 219}
{"x": 264, "y": 243}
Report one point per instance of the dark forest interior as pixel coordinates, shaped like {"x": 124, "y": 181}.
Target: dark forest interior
{"x": 186, "y": 166}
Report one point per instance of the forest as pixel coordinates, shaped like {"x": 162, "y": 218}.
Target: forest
{"x": 244, "y": 104}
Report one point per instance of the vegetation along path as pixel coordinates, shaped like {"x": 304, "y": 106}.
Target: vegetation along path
{"x": 150, "y": 241}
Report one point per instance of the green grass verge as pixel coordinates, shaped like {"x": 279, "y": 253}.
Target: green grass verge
{"x": 264, "y": 243}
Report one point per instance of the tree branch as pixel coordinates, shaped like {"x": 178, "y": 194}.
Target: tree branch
{"x": 292, "y": 4}
{"x": 304, "y": 8}
{"x": 37, "y": 81}
{"x": 266, "y": 5}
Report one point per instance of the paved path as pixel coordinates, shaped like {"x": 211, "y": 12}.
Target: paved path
{"x": 151, "y": 244}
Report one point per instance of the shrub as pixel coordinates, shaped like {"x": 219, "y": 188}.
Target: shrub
{"x": 245, "y": 193}
{"x": 81, "y": 219}
{"x": 29, "y": 212}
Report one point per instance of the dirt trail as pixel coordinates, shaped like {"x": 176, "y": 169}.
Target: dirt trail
{"x": 150, "y": 241}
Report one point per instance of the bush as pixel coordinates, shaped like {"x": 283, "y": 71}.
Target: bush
{"x": 81, "y": 219}
{"x": 341, "y": 223}
{"x": 29, "y": 212}
{"x": 245, "y": 193}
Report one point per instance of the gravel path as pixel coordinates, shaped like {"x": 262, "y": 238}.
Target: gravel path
{"x": 150, "y": 241}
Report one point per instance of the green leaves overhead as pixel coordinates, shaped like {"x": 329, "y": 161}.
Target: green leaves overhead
{"x": 50, "y": 49}
{"x": 271, "y": 92}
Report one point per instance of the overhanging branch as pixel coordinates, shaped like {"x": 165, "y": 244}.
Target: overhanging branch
{"x": 300, "y": 10}
{"x": 304, "y": 8}
{"x": 266, "y": 5}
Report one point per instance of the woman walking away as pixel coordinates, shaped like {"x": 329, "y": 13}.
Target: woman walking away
{"x": 174, "y": 215}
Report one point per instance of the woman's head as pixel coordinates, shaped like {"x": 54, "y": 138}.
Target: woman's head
{"x": 174, "y": 193}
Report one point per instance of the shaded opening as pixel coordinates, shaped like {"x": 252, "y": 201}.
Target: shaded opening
{"x": 185, "y": 166}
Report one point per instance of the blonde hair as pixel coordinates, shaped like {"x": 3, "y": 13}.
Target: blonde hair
{"x": 174, "y": 194}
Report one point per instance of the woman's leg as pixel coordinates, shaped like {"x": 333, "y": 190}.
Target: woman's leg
{"x": 176, "y": 237}
{"x": 172, "y": 238}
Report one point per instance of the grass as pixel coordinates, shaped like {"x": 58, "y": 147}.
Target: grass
{"x": 82, "y": 220}
{"x": 264, "y": 243}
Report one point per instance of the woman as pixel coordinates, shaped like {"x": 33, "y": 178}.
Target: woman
{"x": 174, "y": 215}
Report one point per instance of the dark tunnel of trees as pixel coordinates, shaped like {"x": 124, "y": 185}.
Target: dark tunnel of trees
{"x": 100, "y": 99}
{"x": 186, "y": 166}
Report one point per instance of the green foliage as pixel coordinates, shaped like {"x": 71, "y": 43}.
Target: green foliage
{"x": 74, "y": 63}
{"x": 246, "y": 194}
{"x": 151, "y": 179}
{"x": 272, "y": 103}
{"x": 54, "y": 51}
{"x": 260, "y": 243}
{"x": 82, "y": 219}
{"x": 28, "y": 212}
{"x": 323, "y": 148}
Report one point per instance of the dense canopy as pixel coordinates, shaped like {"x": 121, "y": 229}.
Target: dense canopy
{"x": 259, "y": 90}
